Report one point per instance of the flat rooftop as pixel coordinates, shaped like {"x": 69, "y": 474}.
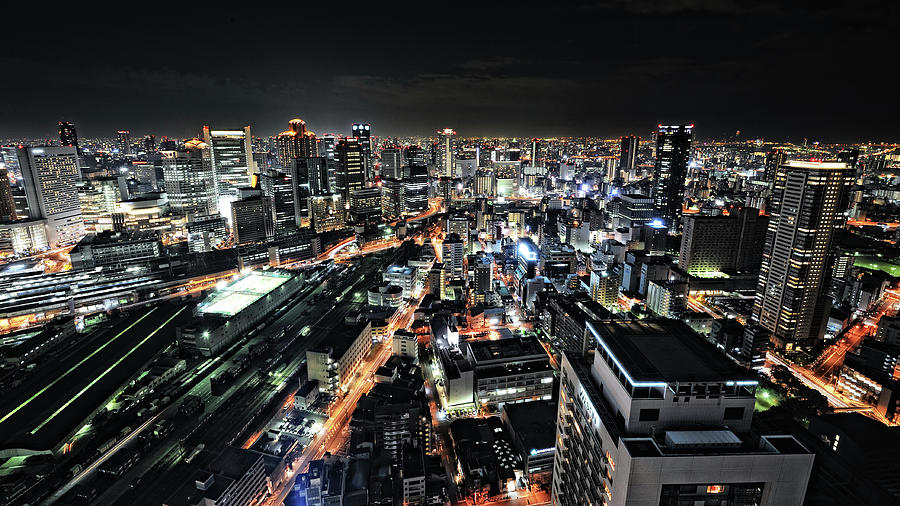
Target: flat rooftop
{"x": 665, "y": 351}
{"x": 532, "y": 424}
{"x": 236, "y": 296}
{"x": 505, "y": 349}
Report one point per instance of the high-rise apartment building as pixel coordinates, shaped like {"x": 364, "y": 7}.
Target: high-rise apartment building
{"x": 808, "y": 201}
{"x": 673, "y": 152}
{"x": 189, "y": 180}
{"x": 628, "y": 157}
{"x": 51, "y": 178}
{"x": 446, "y": 153}
{"x": 231, "y": 155}
{"x": 67, "y": 135}
{"x": 657, "y": 415}
{"x": 351, "y": 167}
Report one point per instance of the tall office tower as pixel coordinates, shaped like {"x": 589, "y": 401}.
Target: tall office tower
{"x": 98, "y": 197}
{"x": 296, "y": 142}
{"x": 415, "y": 188}
{"x": 808, "y": 201}
{"x": 445, "y": 157}
{"x": 362, "y": 132}
{"x": 535, "y": 152}
{"x": 7, "y": 202}
{"x": 392, "y": 202}
{"x": 326, "y": 212}
{"x": 278, "y": 187}
{"x": 311, "y": 176}
{"x": 51, "y": 178}
{"x": 189, "y": 180}
{"x": 232, "y": 162}
{"x": 453, "y": 254}
{"x": 628, "y": 157}
{"x": 9, "y": 159}
{"x": 391, "y": 163}
{"x": 327, "y": 144}
{"x": 673, "y": 151}
{"x": 366, "y": 204}
{"x": 123, "y": 139}
{"x": 351, "y": 167}
{"x": 251, "y": 219}
{"x": 67, "y": 135}
{"x": 414, "y": 156}
{"x": 659, "y": 416}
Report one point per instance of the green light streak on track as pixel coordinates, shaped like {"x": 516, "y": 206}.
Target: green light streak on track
{"x": 85, "y": 359}
{"x": 104, "y": 373}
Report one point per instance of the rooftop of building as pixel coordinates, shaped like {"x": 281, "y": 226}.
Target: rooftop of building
{"x": 505, "y": 349}
{"x": 342, "y": 336}
{"x": 110, "y": 237}
{"x": 665, "y": 351}
{"x": 234, "y": 297}
{"x": 530, "y": 423}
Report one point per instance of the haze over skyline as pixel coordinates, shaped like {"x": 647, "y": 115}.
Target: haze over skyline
{"x": 594, "y": 68}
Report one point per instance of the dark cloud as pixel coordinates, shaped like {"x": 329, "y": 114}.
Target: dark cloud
{"x": 773, "y": 69}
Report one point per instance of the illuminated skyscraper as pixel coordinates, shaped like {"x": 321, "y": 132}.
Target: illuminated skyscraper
{"x": 51, "y": 179}
{"x": 362, "y": 132}
{"x": 189, "y": 180}
{"x": 807, "y": 205}
{"x": 67, "y": 135}
{"x": 446, "y": 154}
{"x": 673, "y": 151}
{"x": 278, "y": 188}
{"x": 296, "y": 142}
{"x": 232, "y": 161}
{"x": 123, "y": 138}
{"x": 351, "y": 167}
{"x": 391, "y": 163}
{"x": 628, "y": 157}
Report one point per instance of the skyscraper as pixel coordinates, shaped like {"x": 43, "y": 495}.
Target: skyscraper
{"x": 231, "y": 156}
{"x": 296, "y": 142}
{"x": 189, "y": 180}
{"x": 808, "y": 200}
{"x": 391, "y": 163}
{"x": 362, "y": 132}
{"x": 628, "y": 157}
{"x": 51, "y": 179}
{"x": 446, "y": 152}
{"x": 123, "y": 137}
{"x": 673, "y": 151}
{"x": 351, "y": 168}
{"x": 278, "y": 187}
{"x": 67, "y": 135}
{"x": 415, "y": 189}
{"x": 535, "y": 152}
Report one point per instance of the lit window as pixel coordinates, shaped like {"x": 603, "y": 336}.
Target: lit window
{"x": 714, "y": 489}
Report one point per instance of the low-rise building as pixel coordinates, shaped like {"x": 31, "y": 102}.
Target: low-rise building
{"x": 115, "y": 249}
{"x": 333, "y": 364}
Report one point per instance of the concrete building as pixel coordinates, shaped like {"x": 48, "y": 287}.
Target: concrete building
{"x": 385, "y": 294}
{"x": 231, "y": 157}
{"x": 405, "y": 344}
{"x": 658, "y": 416}
{"x": 407, "y": 278}
{"x": 333, "y": 364}
{"x": 51, "y": 176}
{"x": 667, "y": 299}
{"x": 509, "y": 370}
{"x": 189, "y": 180}
{"x": 115, "y": 250}
{"x": 527, "y": 427}
{"x": 251, "y": 220}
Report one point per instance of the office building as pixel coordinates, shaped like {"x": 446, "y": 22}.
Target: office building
{"x": 667, "y": 299}
{"x": 414, "y": 156}
{"x": 7, "y": 201}
{"x": 632, "y": 210}
{"x": 68, "y": 137}
{"x": 351, "y": 167}
{"x": 115, "y": 250}
{"x": 415, "y": 189}
{"x": 327, "y": 213}
{"x": 808, "y": 202}
{"x": 123, "y": 139}
{"x": 509, "y": 370}
{"x": 231, "y": 156}
{"x": 251, "y": 219}
{"x": 51, "y": 178}
{"x": 716, "y": 244}
{"x": 334, "y": 363}
{"x": 673, "y": 152}
{"x": 391, "y": 163}
{"x": 366, "y": 204}
{"x": 296, "y": 142}
{"x": 628, "y": 158}
{"x": 393, "y": 202}
{"x": 453, "y": 256}
{"x": 189, "y": 180}
{"x": 659, "y": 416}
{"x": 206, "y": 233}
{"x": 446, "y": 153}
{"x": 406, "y": 278}
{"x": 362, "y": 132}
{"x": 279, "y": 189}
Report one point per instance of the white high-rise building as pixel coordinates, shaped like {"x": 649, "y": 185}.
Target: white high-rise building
{"x": 655, "y": 415}
{"x": 51, "y": 178}
{"x": 231, "y": 156}
{"x": 447, "y": 152}
{"x": 189, "y": 178}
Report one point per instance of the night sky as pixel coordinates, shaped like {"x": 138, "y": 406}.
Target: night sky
{"x": 817, "y": 70}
